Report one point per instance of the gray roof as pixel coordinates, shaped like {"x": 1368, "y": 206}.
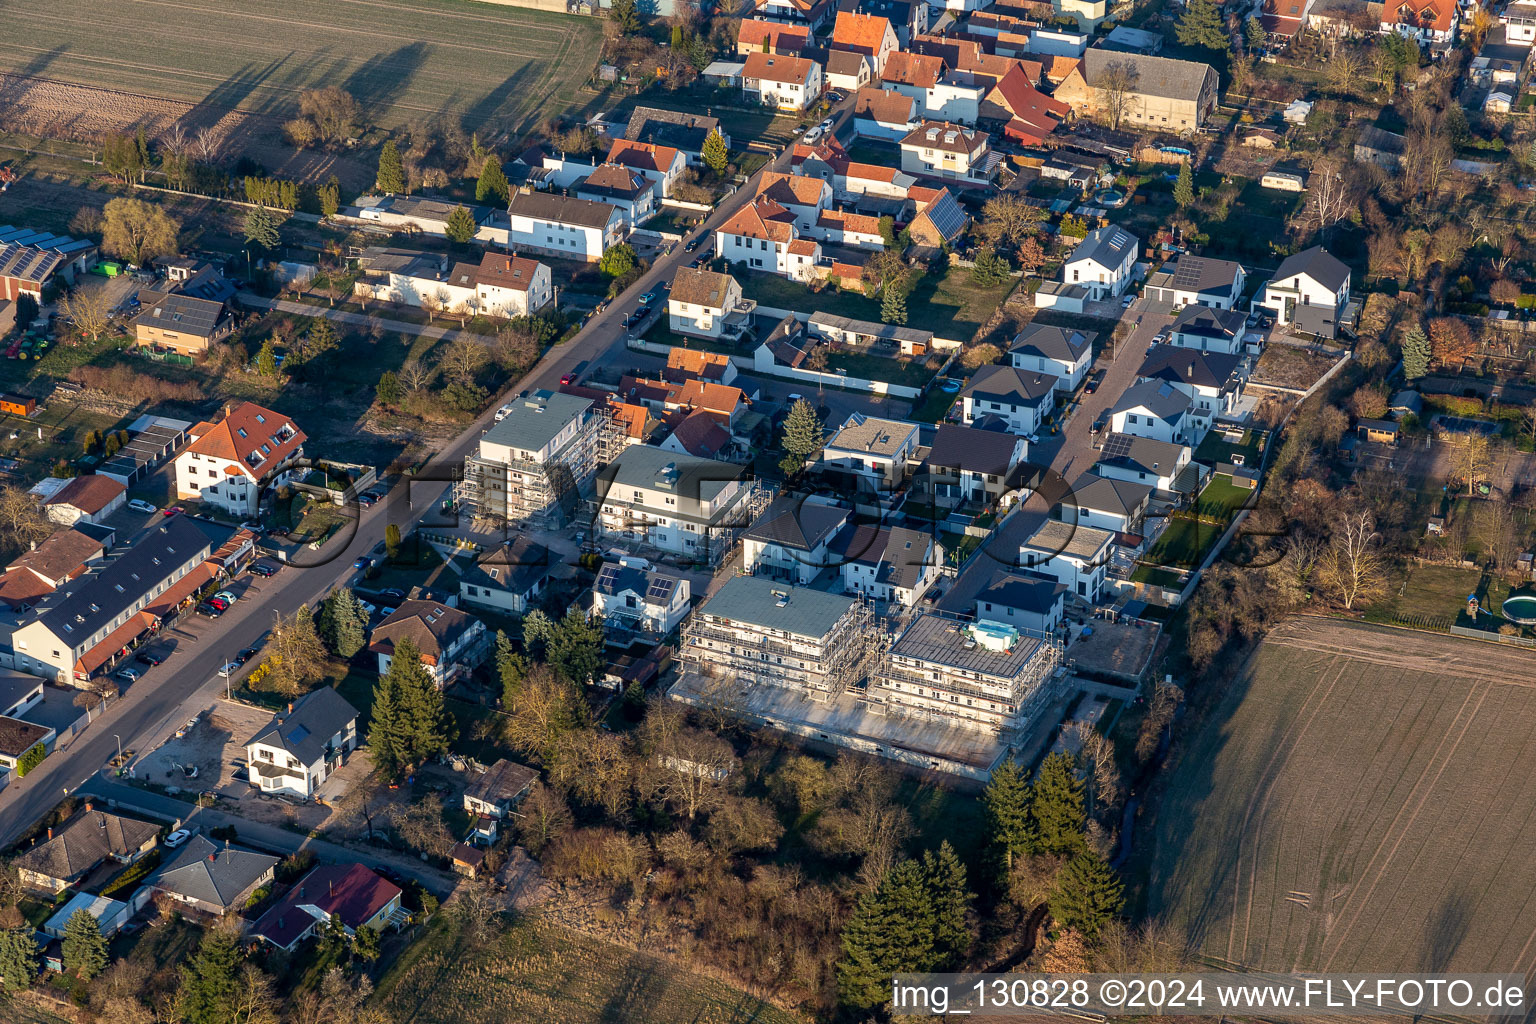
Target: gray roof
{"x": 650, "y": 585}
{"x": 1155, "y": 76}
{"x": 84, "y": 841}
{"x": 765, "y": 603}
{"x": 871, "y": 435}
{"x": 1189, "y": 366}
{"x": 1025, "y": 590}
{"x": 503, "y": 782}
{"x": 586, "y": 213}
{"x": 1012, "y": 385}
{"x": 869, "y": 328}
{"x": 514, "y": 567}
{"x": 942, "y": 640}
{"x": 1158, "y": 397}
{"x": 674, "y": 128}
{"x": 16, "y": 685}
{"x": 28, "y": 263}
{"x": 795, "y": 523}
{"x": 979, "y": 451}
{"x": 905, "y": 557}
{"x": 180, "y": 313}
{"x": 306, "y": 731}
{"x": 1317, "y": 263}
{"x": 1052, "y": 342}
{"x": 204, "y": 872}
{"x": 1140, "y": 453}
{"x": 84, "y": 605}
{"x": 1057, "y": 537}
{"x": 692, "y": 479}
{"x": 1205, "y": 322}
{"x": 700, "y": 287}
{"x": 1104, "y": 494}
{"x": 534, "y": 421}
{"x": 1107, "y": 246}
{"x": 1205, "y": 276}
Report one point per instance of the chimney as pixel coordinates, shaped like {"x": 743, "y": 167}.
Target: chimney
{"x": 213, "y": 857}
{"x": 50, "y": 832}
{"x": 89, "y": 805}
{"x": 290, "y": 707}
{"x": 1191, "y": 367}
{"x": 227, "y": 410}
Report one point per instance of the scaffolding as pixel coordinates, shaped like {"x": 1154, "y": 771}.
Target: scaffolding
{"x": 544, "y": 493}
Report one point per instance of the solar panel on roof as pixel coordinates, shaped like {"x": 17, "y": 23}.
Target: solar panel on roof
{"x": 661, "y": 588}
{"x": 607, "y": 579}
{"x": 1116, "y": 446}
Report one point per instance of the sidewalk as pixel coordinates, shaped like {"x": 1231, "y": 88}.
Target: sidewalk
{"x": 356, "y": 319}
{"x": 261, "y": 835}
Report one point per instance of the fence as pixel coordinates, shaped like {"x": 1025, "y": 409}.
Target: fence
{"x": 1483, "y": 634}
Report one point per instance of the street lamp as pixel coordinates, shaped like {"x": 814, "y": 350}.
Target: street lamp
{"x": 119, "y": 745}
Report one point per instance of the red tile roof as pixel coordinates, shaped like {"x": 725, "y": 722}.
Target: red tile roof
{"x": 642, "y": 155}
{"x": 701, "y": 435}
{"x": 917, "y": 70}
{"x": 762, "y": 218}
{"x": 247, "y": 430}
{"x": 861, "y": 33}
{"x": 780, "y": 38}
{"x": 89, "y": 494}
{"x": 774, "y": 67}
{"x": 798, "y": 189}
{"x": 499, "y": 270}
{"x": 350, "y": 892}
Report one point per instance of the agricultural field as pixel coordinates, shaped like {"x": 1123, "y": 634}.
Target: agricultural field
{"x": 495, "y": 68}
{"x": 1359, "y": 800}
{"x": 541, "y": 972}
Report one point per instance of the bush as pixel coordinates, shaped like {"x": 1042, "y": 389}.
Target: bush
{"x": 129, "y": 880}
{"x": 31, "y": 759}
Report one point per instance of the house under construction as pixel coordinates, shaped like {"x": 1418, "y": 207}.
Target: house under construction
{"x": 533, "y": 462}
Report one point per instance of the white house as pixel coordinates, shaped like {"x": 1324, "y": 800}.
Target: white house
{"x": 1062, "y": 352}
{"x": 1106, "y": 503}
{"x": 791, "y": 539}
{"x": 661, "y": 165}
{"x": 512, "y": 286}
{"x": 878, "y": 450}
{"x": 1103, "y": 262}
{"x": 1154, "y": 409}
{"x": 1310, "y": 290}
{"x": 235, "y": 463}
{"x": 939, "y": 149}
{"x": 415, "y": 279}
{"x": 891, "y": 564}
{"x": 351, "y": 895}
{"x": 89, "y": 498}
{"x": 1075, "y": 556}
{"x": 1210, "y": 379}
{"x": 787, "y": 83}
{"x": 301, "y": 747}
{"x": 868, "y": 35}
{"x": 707, "y": 305}
{"x": 1209, "y": 330}
{"x": 1144, "y": 461}
{"x": 633, "y": 597}
{"x": 677, "y": 504}
{"x": 763, "y": 236}
{"x": 1431, "y": 23}
{"x": 884, "y": 114}
{"x": 1198, "y": 281}
{"x": 1028, "y": 600}
{"x": 1020, "y": 398}
{"x": 507, "y": 578}
{"x": 570, "y": 228}
{"x": 625, "y": 189}
{"x": 806, "y": 198}
{"x": 1520, "y": 23}
{"x": 451, "y": 642}
{"x": 967, "y": 464}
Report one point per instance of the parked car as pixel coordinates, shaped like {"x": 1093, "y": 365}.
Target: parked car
{"x": 142, "y": 506}
{"x": 265, "y": 570}
{"x": 246, "y": 655}
{"x": 228, "y": 669}
{"x": 1091, "y": 386}
{"x": 362, "y": 562}
{"x": 647, "y": 299}
{"x": 568, "y": 379}
{"x": 149, "y": 658}
{"x": 367, "y": 500}
{"x": 1127, "y": 301}
{"x": 128, "y": 675}
{"x": 637, "y": 316}
{"x": 692, "y": 243}
{"x": 835, "y": 97}
{"x": 392, "y": 594}
{"x": 813, "y": 134}
{"x": 173, "y": 510}
{"x": 826, "y": 125}
{"x": 178, "y": 837}
{"x": 226, "y": 596}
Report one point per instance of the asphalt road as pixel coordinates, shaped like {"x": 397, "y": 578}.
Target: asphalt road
{"x": 187, "y": 682}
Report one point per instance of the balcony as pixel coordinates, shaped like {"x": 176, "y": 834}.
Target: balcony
{"x": 738, "y": 319}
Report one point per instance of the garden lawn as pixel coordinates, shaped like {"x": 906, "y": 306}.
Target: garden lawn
{"x": 1184, "y": 543}
{"x": 1222, "y": 498}
{"x": 949, "y": 305}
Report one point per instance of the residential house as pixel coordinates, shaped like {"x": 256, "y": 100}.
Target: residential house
{"x": 1107, "y": 503}
{"x": 892, "y": 565}
{"x": 879, "y": 452}
{"x": 635, "y": 598}
{"x": 1378, "y": 431}
{"x": 1104, "y": 262}
{"x": 1019, "y": 399}
{"x": 111, "y": 915}
{"x": 72, "y": 850}
{"x": 1028, "y": 116}
{"x": 805, "y": 198}
{"x": 757, "y": 36}
{"x": 1430, "y": 23}
{"x": 1173, "y": 95}
{"x": 1520, "y": 23}
{"x": 1075, "y": 556}
{"x": 1158, "y": 464}
{"x": 1283, "y": 20}
{"x": 685, "y": 364}
{"x": 62, "y": 556}
{"x": 679, "y": 130}
{"x": 1198, "y": 281}
{"x": 88, "y": 623}
{"x": 949, "y": 151}
{"x": 886, "y": 114}
{"x": 1380, "y": 147}
{"x": 785, "y": 83}
{"x": 623, "y": 188}
{"x": 724, "y": 403}
{"x": 813, "y": 14}
{"x": 1087, "y": 13}
{"x": 982, "y": 675}
{"x": 536, "y": 457}
{"x": 19, "y": 693}
{"x": 939, "y": 220}
{"x": 1344, "y": 19}
{"x": 237, "y": 463}
{"x": 762, "y": 235}
{"x": 211, "y": 878}
{"x": 868, "y": 35}
{"x": 180, "y": 323}
{"x": 1030, "y": 601}
{"x": 300, "y": 748}
{"x": 18, "y": 738}
{"x": 417, "y": 214}
{"x": 755, "y": 630}
{"x": 883, "y": 339}
{"x": 1203, "y": 329}
{"x": 512, "y": 286}
{"x": 1310, "y": 290}
{"x": 494, "y": 792}
{"x": 1062, "y": 352}
{"x": 699, "y": 434}
{"x": 451, "y": 642}
{"x": 509, "y": 577}
{"x": 410, "y": 278}
{"x": 1210, "y": 379}
{"x": 678, "y": 504}
{"x": 349, "y": 894}
{"x": 1155, "y": 409}
{"x": 87, "y": 498}
{"x": 563, "y": 226}
{"x": 967, "y": 464}
{"x": 662, "y": 166}
{"x": 846, "y": 70}
{"x": 907, "y": 17}
{"x": 791, "y": 540}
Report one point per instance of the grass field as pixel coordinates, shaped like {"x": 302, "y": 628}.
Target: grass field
{"x": 540, "y": 972}
{"x": 495, "y": 67}
{"x": 1360, "y": 799}
{"x": 949, "y": 305}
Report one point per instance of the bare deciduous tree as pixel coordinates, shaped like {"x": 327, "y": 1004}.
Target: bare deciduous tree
{"x": 414, "y": 375}
{"x": 1354, "y": 567}
{"x": 89, "y": 309}
{"x": 463, "y": 359}
{"x": 1117, "y": 90}
{"x": 687, "y": 767}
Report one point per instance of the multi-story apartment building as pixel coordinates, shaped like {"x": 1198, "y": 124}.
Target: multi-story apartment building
{"x": 676, "y": 503}
{"x": 237, "y": 462}
{"x": 534, "y": 461}
{"x": 982, "y": 675}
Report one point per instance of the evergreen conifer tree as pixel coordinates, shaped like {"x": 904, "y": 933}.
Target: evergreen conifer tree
{"x": 891, "y": 931}
{"x": 1006, "y": 802}
{"x": 803, "y": 433}
{"x": 18, "y": 959}
{"x": 261, "y": 228}
{"x": 1200, "y": 25}
{"x": 715, "y": 153}
{"x": 1088, "y": 894}
{"x": 1415, "y": 353}
{"x": 460, "y": 226}
{"x": 492, "y": 183}
{"x": 209, "y": 985}
{"x": 951, "y": 900}
{"x": 538, "y": 630}
{"x": 266, "y": 359}
{"x": 893, "y": 304}
{"x": 391, "y": 178}
{"x": 1058, "y": 806}
{"x": 576, "y": 648}
{"x": 389, "y": 389}
{"x": 85, "y": 948}
{"x": 1184, "y": 188}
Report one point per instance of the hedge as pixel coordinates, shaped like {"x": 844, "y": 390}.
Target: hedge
{"x": 31, "y": 759}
